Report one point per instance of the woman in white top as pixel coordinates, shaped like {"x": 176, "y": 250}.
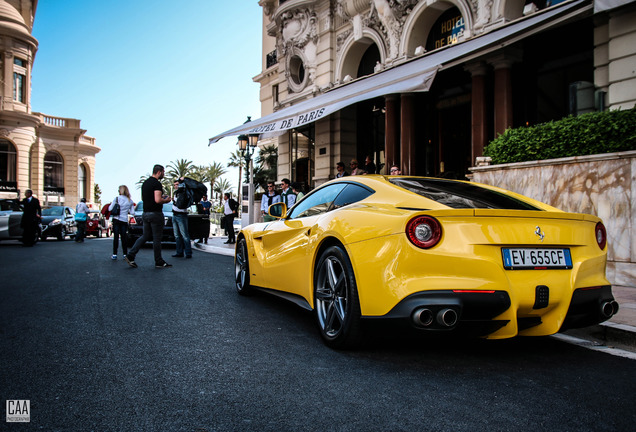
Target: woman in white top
{"x": 82, "y": 207}
{"x": 120, "y": 221}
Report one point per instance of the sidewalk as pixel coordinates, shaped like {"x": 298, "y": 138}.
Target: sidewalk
{"x": 620, "y": 330}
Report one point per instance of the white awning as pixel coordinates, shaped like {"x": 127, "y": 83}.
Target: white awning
{"x": 414, "y": 76}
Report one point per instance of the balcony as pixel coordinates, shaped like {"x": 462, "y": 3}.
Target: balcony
{"x": 271, "y": 59}
{"x": 59, "y": 122}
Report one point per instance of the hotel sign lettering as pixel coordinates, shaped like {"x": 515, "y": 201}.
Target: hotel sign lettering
{"x": 448, "y": 29}
{"x": 291, "y": 122}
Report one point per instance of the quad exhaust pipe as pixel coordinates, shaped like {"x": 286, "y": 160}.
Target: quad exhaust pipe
{"x": 424, "y": 317}
{"x": 447, "y": 317}
{"x": 609, "y": 309}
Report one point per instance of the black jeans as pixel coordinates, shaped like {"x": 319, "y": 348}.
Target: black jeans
{"x": 81, "y": 231}
{"x": 120, "y": 230}
{"x": 229, "y": 227}
{"x": 153, "y": 228}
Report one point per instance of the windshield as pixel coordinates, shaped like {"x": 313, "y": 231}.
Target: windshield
{"x": 53, "y": 211}
{"x": 166, "y": 207}
{"x": 461, "y": 195}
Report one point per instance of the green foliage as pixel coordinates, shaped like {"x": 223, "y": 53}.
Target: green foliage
{"x": 593, "y": 133}
{"x": 179, "y": 168}
{"x": 266, "y": 165}
{"x": 98, "y": 194}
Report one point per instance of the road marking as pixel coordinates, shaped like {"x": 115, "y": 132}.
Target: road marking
{"x": 595, "y": 347}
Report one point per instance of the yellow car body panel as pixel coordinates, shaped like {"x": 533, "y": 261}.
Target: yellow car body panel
{"x": 388, "y": 267}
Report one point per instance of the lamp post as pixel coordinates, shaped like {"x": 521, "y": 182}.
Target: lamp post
{"x": 247, "y": 145}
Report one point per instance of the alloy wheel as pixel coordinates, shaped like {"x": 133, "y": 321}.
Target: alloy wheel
{"x": 241, "y": 268}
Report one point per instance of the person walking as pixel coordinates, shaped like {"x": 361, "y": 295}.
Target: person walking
{"x": 180, "y": 204}
{"x": 271, "y": 197}
{"x": 230, "y": 210}
{"x": 81, "y": 224}
{"x": 204, "y": 208}
{"x": 120, "y": 220}
{"x": 287, "y": 195}
{"x": 153, "y": 198}
{"x": 31, "y": 216}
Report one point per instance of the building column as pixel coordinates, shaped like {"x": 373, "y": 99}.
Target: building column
{"x": 503, "y": 92}
{"x": 407, "y": 132}
{"x": 479, "y": 135}
{"x": 392, "y": 130}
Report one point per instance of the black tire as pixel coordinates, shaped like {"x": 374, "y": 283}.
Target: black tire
{"x": 336, "y": 302}
{"x": 242, "y": 268}
{"x": 62, "y": 234}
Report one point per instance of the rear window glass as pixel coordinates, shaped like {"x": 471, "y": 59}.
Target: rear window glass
{"x": 167, "y": 207}
{"x": 461, "y": 195}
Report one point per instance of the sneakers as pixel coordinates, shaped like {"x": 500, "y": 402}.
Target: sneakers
{"x": 114, "y": 257}
{"x": 162, "y": 264}
{"x": 131, "y": 261}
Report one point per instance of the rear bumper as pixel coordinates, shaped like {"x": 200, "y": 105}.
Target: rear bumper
{"x": 482, "y": 313}
{"x": 590, "y": 306}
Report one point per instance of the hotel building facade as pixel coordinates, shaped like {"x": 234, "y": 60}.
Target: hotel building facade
{"x": 50, "y": 155}
{"x": 426, "y": 84}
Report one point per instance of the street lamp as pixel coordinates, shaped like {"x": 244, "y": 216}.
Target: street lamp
{"x": 247, "y": 145}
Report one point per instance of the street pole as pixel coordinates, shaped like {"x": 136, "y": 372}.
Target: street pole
{"x": 247, "y": 145}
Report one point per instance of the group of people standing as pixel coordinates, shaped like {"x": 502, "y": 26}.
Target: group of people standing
{"x": 290, "y": 193}
{"x": 369, "y": 168}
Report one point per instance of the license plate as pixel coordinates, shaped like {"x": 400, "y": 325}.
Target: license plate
{"x": 536, "y": 258}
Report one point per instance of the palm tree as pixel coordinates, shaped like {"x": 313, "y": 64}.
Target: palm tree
{"x": 179, "y": 168}
{"x": 198, "y": 173}
{"x": 165, "y": 183}
{"x": 222, "y": 186}
{"x": 213, "y": 172}
{"x": 266, "y": 168}
{"x": 237, "y": 161}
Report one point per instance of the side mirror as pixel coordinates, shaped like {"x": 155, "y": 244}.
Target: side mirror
{"x": 278, "y": 210}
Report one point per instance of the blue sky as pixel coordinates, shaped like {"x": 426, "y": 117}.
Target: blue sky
{"x": 150, "y": 80}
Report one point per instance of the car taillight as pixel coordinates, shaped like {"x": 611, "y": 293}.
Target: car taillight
{"x": 601, "y": 235}
{"x": 424, "y": 231}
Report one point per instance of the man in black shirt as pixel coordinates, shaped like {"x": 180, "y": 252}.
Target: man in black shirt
{"x": 153, "y": 199}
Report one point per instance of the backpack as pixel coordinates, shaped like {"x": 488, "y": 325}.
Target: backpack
{"x": 233, "y": 205}
{"x": 196, "y": 189}
{"x": 184, "y": 198}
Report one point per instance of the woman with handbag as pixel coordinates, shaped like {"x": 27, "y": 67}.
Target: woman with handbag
{"x": 119, "y": 209}
{"x": 81, "y": 213}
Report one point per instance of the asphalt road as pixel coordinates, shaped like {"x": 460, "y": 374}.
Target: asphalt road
{"x": 96, "y": 345}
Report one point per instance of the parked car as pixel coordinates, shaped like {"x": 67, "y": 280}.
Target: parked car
{"x": 58, "y": 222}
{"x": 10, "y": 218}
{"x": 196, "y": 224}
{"x": 436, "y": 255}
{"x": 96, "y": 224}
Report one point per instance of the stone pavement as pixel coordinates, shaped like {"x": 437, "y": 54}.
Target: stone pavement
{"x": 618, "y": 331}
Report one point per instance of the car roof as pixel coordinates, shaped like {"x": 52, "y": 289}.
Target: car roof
{"x": 387, "y": 192}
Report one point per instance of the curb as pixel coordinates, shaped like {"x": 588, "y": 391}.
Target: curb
{"x": 609, "y": 333}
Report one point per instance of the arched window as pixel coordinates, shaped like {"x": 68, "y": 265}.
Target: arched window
{"x": 81, "y": 181}
{"x": 53, "y": 172}
{"x": 8, "y": 157}
{"x": 447, "y": 30}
